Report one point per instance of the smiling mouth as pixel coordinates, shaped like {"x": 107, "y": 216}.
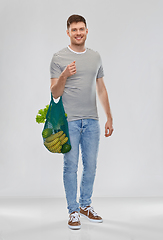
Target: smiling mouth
{"x": 78, "y": 38}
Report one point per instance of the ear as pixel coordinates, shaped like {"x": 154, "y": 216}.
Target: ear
{"x": 67, "y": 31}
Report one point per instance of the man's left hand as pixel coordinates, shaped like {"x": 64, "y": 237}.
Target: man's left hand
{"x": 109, "y": 127}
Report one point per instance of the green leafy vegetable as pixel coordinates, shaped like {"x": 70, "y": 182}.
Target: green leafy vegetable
{"x": 41, "y": 116}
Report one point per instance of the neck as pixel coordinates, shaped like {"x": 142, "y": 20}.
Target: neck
{"x": 77, "y": 48}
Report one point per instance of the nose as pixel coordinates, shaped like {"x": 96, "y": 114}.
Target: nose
{"x": 78, "y": 32}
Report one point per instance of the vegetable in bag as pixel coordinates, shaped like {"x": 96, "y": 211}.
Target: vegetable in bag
{"x": 55, "y": 132}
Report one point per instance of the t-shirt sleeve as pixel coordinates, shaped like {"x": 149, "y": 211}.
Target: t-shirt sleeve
{"x": 55, "y": 70}
{"x": 100, "y": 72}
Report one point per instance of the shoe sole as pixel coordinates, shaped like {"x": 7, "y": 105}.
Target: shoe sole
{"x": 74, "y": 227}
{"x": 91, "y": 220}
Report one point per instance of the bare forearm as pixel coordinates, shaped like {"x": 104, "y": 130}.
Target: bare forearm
{"x": 103, "y": 96}
{"x": 58, "y": 88}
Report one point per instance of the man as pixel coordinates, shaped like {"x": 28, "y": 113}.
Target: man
{"x": 76, "y": 71}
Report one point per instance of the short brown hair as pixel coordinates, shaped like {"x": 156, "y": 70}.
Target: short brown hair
{"x": 75, "y": 18}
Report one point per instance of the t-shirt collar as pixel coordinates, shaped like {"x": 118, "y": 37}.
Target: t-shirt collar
{"x": 76, "y": 52}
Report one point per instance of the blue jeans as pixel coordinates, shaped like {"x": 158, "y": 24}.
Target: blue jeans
{"x": 86, "y": 133}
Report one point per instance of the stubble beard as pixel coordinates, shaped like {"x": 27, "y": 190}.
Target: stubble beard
{"x": 79, "y": 44}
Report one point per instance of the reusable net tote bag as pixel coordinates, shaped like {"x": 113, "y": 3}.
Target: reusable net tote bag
{"x": 55, "y": 133}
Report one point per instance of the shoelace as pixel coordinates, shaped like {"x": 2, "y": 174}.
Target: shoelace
{"x": 74, "y": 217}
{"x": 90, "y": 209}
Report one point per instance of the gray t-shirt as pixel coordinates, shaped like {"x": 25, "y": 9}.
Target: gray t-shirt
{"x": 79, "y": 96}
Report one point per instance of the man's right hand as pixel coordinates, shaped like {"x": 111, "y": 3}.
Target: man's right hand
{"x": 58, "y": 84}
{"x": 70, "y": 69}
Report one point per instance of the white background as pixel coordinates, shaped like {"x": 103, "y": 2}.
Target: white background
{"x": 128, "y": 35}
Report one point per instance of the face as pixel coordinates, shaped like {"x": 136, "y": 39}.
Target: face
{"x": 77, "y": 33}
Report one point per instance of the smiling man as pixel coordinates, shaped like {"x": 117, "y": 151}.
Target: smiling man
{"x": 76, "y": 73}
